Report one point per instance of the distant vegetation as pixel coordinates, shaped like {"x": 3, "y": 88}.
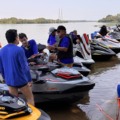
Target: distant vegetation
{"x": 111, "y": 18}
{"x": 82, "y": 21}
{"x": 14, "y": 20}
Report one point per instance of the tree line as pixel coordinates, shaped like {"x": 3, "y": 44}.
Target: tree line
{"x": 14, "y": 20}
{"x": 111, "y": 18}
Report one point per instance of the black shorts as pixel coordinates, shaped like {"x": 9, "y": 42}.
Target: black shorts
{"x": 19, "y": 86}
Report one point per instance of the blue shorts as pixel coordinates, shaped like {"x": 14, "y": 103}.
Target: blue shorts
{"x": 20, "y": 86}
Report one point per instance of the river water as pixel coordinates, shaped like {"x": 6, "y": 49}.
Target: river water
{"x": 105, "y": 74}
{"x": 39, "y": 32}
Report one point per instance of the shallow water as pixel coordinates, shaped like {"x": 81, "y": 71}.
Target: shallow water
{"x": 106, "y": 75}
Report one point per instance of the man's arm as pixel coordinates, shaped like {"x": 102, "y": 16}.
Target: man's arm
{"x": 35, "y": 47}
{"x": 64, "y": 49}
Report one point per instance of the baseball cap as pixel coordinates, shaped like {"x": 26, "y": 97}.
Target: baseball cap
{"x": 51, "y": 30}
{"x": 61, "y": 28}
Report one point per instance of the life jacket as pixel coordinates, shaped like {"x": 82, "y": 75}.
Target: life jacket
{"x": 69, "y": 53}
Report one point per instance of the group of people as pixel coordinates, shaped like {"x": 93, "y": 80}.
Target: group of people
{"x": 13, "y": 59}
{"x": 60, "y": 43}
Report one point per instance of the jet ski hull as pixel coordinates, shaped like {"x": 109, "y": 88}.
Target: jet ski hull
{"x": 83, "y": 70}
{"x": 101, "y": 57}
{"x": 34, "y": 115}
{"x": 113, "y": 44}
{"x": 59, "y": 92}
{"x": 72, "y": 95}
{"x": 50, "y": 88}
{"x": 100, "y": 51}
{"x": 15, "y": 108}
{"x": 116, "y": 50}
{"x": 86, "y": 63}
{"x": 115, "y": 35}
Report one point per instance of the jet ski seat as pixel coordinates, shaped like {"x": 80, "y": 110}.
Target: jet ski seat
{"x": 67, "y": 73}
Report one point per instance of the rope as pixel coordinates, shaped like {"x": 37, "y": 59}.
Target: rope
{"x": 101, "y": 110}
{"x": 118, "y": 113}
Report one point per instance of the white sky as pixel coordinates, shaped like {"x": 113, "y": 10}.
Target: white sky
{"x": 71, "y": 9}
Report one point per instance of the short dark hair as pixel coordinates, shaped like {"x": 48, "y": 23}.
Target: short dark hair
{"x": 61, "y": 28}
{"x": 11, "y": 35}
{"x": 22, "y": 35}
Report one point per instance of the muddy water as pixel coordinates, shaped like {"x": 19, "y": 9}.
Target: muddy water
{"x": 106, "y": 75}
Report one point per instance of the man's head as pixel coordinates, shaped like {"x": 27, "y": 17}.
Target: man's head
{"x": 11, "y": 36}
{"x": 52, "y": 31}
{"x": 61, "y": 30}
{"x": 23, "y": 39}
{"x": 75, "y": 32}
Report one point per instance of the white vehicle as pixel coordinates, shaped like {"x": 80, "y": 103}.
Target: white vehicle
{"x": 82, "y": 52}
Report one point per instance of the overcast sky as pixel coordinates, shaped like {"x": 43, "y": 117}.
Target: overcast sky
{"x": 71, "y": 9}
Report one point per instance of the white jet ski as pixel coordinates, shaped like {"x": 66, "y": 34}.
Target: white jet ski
{"x": 82, "y": 52}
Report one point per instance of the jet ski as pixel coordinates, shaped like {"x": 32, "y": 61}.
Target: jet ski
{"x": 115, "y": 32}
{"x": 116, "y": 28}
{"x": 42, "y": 62}
{"x": 49, "y": 86}
{"x": 15, "y": 108}
{"x": 113, "y": 44}
{"x": 82, "y": 52}
{"x": 53, "y": 65}
{"x": 115, "y": 35}
{"x": 100, "y": 51}
{"x": 41, "y": 48}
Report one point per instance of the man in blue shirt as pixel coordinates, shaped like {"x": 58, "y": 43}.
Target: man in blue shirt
{"x": 30, "y": 47}
{"x": 65, "y": 47}
{"x": 14, "y": 67}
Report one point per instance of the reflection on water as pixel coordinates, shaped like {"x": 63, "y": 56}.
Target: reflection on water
{"x": 106, "y": 75}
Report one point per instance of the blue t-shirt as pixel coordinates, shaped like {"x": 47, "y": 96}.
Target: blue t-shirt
{"x": 65, "y": 43}
{"x": 51, "y": 40}
{"x": 13, "y": 66}
{"x": 32, "y": 50}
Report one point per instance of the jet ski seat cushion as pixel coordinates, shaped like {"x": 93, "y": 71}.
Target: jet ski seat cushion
{"x": 66, "y": 73}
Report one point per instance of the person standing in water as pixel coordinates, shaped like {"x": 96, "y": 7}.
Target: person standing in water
{"x": 14, "y": 67}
